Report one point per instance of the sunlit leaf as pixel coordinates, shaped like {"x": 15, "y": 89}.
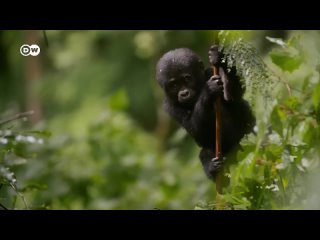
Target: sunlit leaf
{"x": 286, "y": 61}
{"x": 277, "y": 41}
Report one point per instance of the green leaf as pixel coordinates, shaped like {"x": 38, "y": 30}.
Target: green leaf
{"x": 46, "y": 134}
{"x": 293, "y": 103}
{"x": 21, "y": 150}
{"x": 285, "y": 60}
{"x": 34, "y": 186}
{"x": 119, "y": 101}
{"x": 276, "y": 121}
{"x": 295, "y": 42}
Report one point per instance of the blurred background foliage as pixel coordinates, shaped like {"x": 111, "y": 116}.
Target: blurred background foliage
{"x": 98, "y": 137}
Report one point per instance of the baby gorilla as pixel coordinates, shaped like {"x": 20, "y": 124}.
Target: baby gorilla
{"x": 191, "y": 92}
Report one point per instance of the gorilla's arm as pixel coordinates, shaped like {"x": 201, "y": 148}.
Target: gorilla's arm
{"x": 195, "y": 119}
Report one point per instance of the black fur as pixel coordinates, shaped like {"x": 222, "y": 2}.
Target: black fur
{"x": 190, "y": 95}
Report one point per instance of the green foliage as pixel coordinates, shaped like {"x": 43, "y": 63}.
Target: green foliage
{"x": 15, "y": 148}
{"x": 279, "y": 168}
{"x": 289, "y": 57}
{"x": 112, "y": 165}
{"x": 256, "y": 77}
{"x": 104, "y": 141}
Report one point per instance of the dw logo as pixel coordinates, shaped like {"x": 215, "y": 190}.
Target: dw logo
{"x": 27, "y": 50}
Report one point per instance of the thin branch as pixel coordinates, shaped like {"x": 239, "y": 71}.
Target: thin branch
{"x": 285, "y": 82}
{"x": 17, "y": 116}
{"x": 288, "y": 87}
{"x": 20, "y": 195}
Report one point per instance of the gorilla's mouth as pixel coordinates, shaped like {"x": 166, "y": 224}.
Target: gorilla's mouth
{"x": 187, "y": 99}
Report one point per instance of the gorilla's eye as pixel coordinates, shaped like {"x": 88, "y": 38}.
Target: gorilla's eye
{"x": 173, "y": 84}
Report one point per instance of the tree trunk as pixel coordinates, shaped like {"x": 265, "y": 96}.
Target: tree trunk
{"x": 32, "y": 78}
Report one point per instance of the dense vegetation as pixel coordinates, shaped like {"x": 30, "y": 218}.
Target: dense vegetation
{"x": 99, "y": 139}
